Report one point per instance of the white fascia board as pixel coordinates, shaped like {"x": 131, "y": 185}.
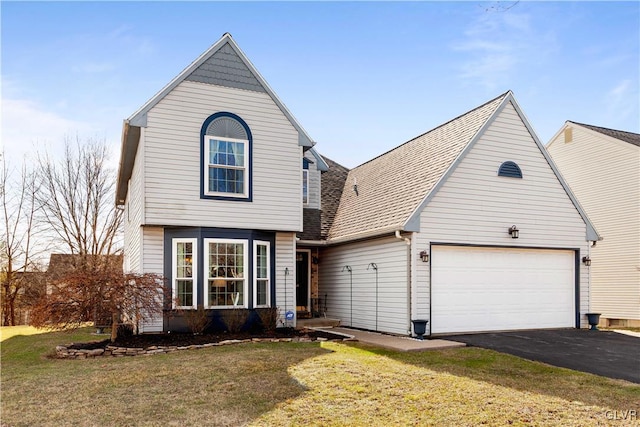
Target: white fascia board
{"x": 414, "y": 219}
{"x": 365, "y": 234}
{"x": 304, "y": 140}
{"x": 557, "y": 134}
{"x": 321, "y": 164}
{"x": 139, "y": 118}
{"x": 413, "y": 222}
{"x": 592, "y": 234}
{"x": 128, "y": 150}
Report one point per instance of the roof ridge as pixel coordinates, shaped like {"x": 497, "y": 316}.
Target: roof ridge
{"x": 620, "y": 135}
{"x": 503, "y": 95}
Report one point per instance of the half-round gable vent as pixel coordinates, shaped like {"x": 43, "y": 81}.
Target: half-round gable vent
{"x": 510, "y": 169}
{"x": 227, "y": 127}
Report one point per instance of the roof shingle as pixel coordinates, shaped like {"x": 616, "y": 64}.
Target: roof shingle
{"x": 630, "y": 137}
{"x": 392, "y": 186}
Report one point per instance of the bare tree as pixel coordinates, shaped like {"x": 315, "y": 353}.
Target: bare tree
{"x": 75, "y": 196}
{"x": 97, "y": 283}
{"x": 16, "y": 246}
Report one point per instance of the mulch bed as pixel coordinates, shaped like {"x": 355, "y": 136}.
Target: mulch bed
{"x": 185, "y": 339}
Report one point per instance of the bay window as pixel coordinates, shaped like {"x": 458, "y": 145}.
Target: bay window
{"x": 225, "y": 273}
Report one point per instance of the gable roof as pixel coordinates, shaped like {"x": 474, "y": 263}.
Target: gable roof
{"x": 630, "y": 137}
{"x": 208, "y": 68}
{"x": 388, "y": 193}
{"x": 391, "y": 186}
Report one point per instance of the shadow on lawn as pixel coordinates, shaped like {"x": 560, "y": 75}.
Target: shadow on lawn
{"x": 521, "y": 374}
{"x": 233, "y": 384}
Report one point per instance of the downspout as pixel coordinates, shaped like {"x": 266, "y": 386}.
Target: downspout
{"x": 408, "y": 243}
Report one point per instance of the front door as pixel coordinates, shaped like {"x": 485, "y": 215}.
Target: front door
{"x": 302, "y": 281}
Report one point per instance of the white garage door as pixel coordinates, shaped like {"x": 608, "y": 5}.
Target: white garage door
{"x": 490, "y": 289}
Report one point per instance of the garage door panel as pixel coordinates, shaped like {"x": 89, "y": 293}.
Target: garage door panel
{"x": 484, "y": 289}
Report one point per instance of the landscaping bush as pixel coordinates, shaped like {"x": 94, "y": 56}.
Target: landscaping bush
{"x": 269, "y": 318}
{"x": 197, "y": 320}
{"x": 235, "y": 319}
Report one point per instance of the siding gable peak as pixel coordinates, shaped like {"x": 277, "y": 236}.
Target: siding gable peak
{"x": 223, "y": 64}
{"x": 392, "y": 187}
{"x": 412, "y": 224}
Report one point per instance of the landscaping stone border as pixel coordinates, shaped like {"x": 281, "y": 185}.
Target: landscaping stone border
{"x": 65, "y": 352}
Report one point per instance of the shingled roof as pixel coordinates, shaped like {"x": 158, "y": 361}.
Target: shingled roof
{"x": 630, "y": 137}
{"x": 332, "y": 183}
{"x": 382, "y": 194}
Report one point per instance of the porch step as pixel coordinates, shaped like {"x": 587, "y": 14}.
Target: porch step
{"x": 318, "y": 322}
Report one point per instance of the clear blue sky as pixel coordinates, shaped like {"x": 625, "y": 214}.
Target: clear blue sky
{"x": 360, "y": 77}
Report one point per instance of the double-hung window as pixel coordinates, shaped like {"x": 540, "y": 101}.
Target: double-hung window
{"x": 184, "y": 275}
{"x": 225, "y": 273}
{"x": 305, "y": 186}
{"x": 261, "y": 272}
{"x": 226, "y": 166}
{"x": 226, "y": 158}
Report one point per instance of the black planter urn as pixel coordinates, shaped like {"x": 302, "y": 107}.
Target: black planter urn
{"x": 420, "y": 327}
{"x": 593, "y": 319}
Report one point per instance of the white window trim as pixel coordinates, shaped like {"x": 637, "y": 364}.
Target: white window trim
{"x": 245, "y": 288}
{"x": 174, "y": 271}
{"x": 305, "y": 174}
{"x": 255, "y": 273}
{"x": 206, "y": 165}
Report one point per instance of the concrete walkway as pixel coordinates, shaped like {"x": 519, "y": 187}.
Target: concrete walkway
{"x": 393, "y": 342}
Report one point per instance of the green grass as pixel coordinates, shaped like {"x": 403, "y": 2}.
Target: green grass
{"x": 7, "y": 332}
{"x": 299, "y": 384}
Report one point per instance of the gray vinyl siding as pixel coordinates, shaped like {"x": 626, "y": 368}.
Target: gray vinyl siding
{"x": 173, "y": 170}
{"x": 356, "y": 306}
{"x": 475, "y": 206}
{"x": 604, "y": 174}
{"x": 314, "y": 183}
{"x": 285, "y": 283}
{"x": 153, "y": 262}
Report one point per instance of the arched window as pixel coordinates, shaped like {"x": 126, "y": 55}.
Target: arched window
{"x": 226, "y": 144}
{"x": 510, "y": 169}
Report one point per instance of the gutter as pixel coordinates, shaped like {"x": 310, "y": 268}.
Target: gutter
{"x": 406, "y": 239}
{"x": 363, "y": 236}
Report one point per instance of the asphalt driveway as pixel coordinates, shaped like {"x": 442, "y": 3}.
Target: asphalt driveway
{"x": 605, "y": 353}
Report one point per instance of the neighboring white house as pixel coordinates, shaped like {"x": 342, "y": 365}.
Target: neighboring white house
{"x": 602, "y": 167}
{"x": 225, "y": 196}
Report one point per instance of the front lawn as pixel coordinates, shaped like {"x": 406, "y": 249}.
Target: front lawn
{"x": 300, "y": 384}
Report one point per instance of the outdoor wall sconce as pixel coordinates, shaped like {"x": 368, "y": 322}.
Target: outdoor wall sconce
{"x": 515, "y": 233}
{"x": 315, "y": 260}
{"x": 586, "y": 260}
{"x": 424, "y": 256}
